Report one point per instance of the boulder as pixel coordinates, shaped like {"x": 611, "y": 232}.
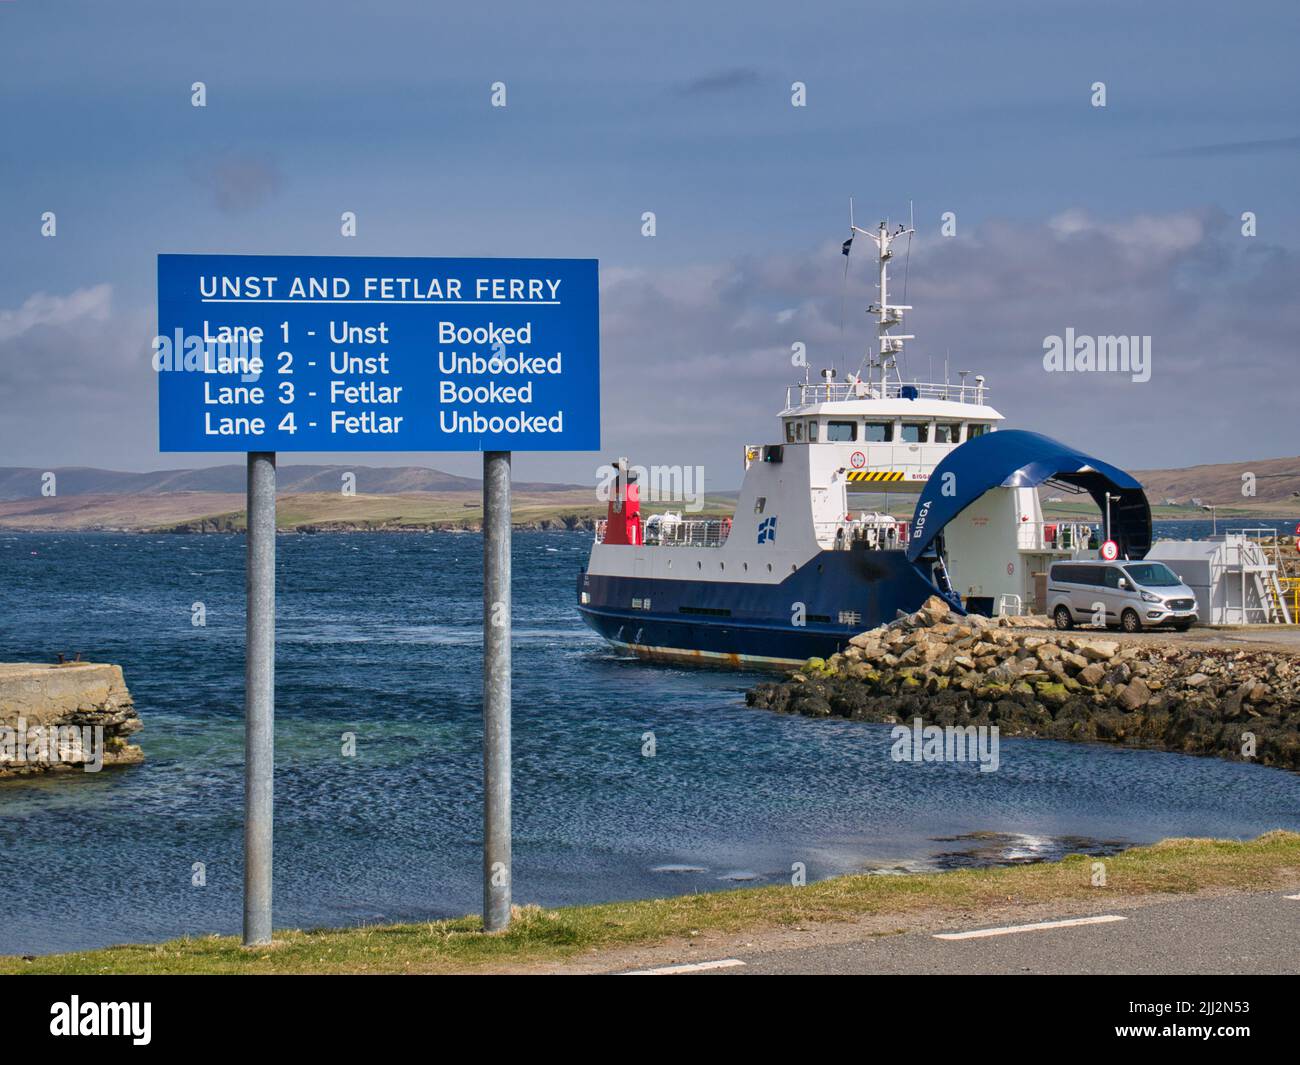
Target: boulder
{"x": 934, "y": 610}
{"x": 1091, "y": 675}
{"x": 1097, "y": 650}
{"x": 1134, "y": 695}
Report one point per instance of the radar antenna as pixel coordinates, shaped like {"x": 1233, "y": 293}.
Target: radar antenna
{"x": 888, "y": 315}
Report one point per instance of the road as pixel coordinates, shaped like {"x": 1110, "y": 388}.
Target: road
{"x": 1242, "y": 933}
{"x": 1217, "y": 637}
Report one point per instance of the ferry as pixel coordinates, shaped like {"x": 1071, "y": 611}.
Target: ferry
{"x": 814, "y": 555}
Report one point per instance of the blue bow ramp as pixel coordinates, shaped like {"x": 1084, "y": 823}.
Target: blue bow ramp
{"x": 1013, "y": 458}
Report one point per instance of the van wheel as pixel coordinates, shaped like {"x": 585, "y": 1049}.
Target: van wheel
{"x": 1130, "y": 622}
{"x": 1063, "y": 618}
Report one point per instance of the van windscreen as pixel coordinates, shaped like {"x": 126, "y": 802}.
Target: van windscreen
{"x": 1153, "y": 575}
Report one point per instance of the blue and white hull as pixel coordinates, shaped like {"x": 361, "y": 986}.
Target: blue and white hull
{"x": 813, "y": 612}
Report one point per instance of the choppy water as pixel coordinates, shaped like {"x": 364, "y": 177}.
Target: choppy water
{"x": 379, "y": 636}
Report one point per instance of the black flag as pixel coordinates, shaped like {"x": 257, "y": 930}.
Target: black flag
{"x": 844, "y": 248}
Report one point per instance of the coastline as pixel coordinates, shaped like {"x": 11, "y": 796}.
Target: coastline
{"x": 615, "y": 936}
{"x": 1239, "y": 700}
{"x": 578, "y": 520}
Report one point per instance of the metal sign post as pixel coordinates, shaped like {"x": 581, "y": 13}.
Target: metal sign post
{"x": 259, "y": 698}
{"x": 496, "y": 690}
{"x": 283, "y": 353}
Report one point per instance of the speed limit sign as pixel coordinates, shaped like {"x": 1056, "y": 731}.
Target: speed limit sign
{"x": 1110, "y": 550}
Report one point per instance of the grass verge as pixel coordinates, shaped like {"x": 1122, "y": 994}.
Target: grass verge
{"x": 1175, "y": 866}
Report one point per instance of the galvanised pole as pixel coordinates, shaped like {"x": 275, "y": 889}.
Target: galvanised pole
{"x": 496, "y": 690}
{"x": 259, "y": 698}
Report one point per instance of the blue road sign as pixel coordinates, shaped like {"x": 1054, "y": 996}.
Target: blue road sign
{"x": 340, "y": 353}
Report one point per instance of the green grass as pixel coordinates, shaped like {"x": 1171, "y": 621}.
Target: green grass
{"x": 1173, "y": 866}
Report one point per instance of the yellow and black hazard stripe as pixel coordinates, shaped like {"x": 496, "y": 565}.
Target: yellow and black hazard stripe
{"x": 875, "y": 475}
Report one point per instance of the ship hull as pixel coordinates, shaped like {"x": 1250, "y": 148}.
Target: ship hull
{"x": 811, "y": 614}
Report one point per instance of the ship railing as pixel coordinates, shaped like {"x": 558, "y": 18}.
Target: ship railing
{"x": 675, "y": 532}
{"x": 1063, "y": 536}
{"x": 875, "y": 534}
{"x": 803, "y": 395}
{"x": 702, "y": 532}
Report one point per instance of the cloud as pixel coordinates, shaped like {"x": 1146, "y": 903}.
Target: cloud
{"x": 720, "y": 82}
{"x": 238, "y": 182}
{"x": 1280, "y": 144}
{"x": 697, "y": 359}
{"x": 44, "y": 310}
{"x": 76, "y": 386}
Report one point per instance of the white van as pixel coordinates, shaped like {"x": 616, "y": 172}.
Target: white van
{"x": 1132, "y": 595}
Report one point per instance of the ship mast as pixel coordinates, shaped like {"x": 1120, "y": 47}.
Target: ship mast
{"x": 888, "y": 315}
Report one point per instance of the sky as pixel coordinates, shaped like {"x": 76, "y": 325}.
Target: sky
{"x": 1123, "y": 219}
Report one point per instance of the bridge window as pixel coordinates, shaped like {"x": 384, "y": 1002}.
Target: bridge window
{"x": 945, "y": 433}
{"x": 812, "y": 432}
{"x": 916, "y": 432}
{"x": 877, "y": 432}
{"x": 975, "y": 429}
{"x": 798, "y": 432}
{"x": 789, "y": 431}
{"x": 841, "y": 432}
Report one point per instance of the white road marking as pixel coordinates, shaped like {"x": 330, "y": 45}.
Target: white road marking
{"x": 1293, "y": 898}
{"x": 693, "y": 967}
{"x": 984, "y": 933}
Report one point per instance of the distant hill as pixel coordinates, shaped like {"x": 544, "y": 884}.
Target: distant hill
{"x": 212, "y": 499}
{"x": 25, "y": 482}
{"x": 1276, "y": 481}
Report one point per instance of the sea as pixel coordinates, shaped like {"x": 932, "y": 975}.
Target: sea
{"x": 631, "y": 780}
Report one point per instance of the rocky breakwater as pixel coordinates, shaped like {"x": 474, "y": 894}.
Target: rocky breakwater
{"x": 74, "y": 715}
{"x": 1031, "y": 680}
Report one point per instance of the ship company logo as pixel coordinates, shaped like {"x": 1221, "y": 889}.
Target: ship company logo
{"x": 767, "y": 530}
{"x": 922, "y": 514}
